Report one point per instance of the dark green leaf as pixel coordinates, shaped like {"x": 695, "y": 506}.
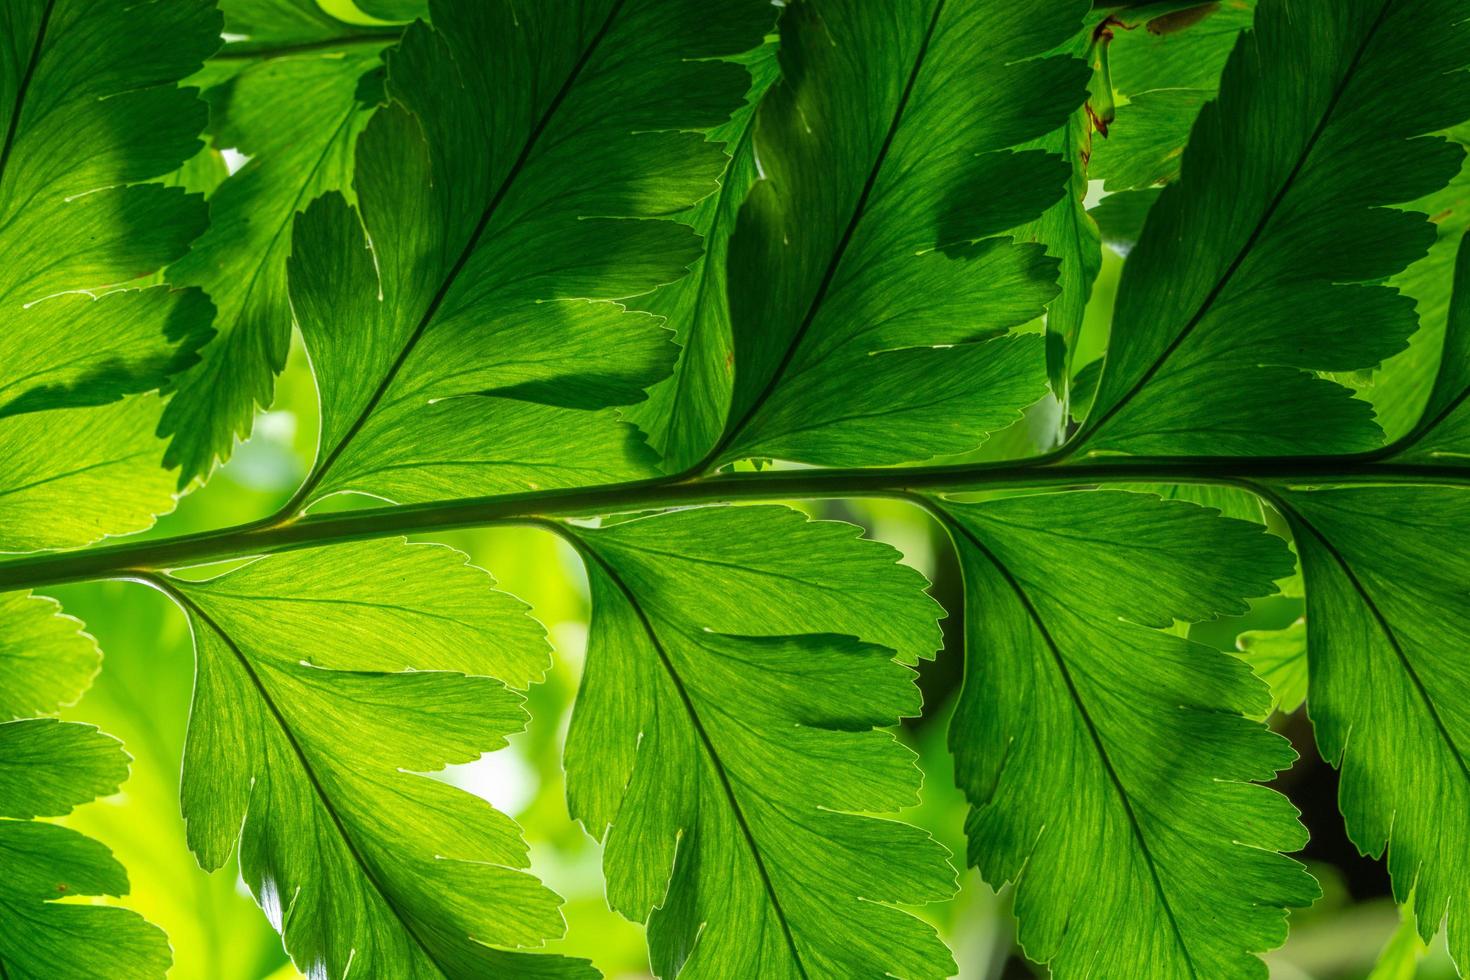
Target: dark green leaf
{"x": 1386, "y": 575}
{"x": 1234, "y": 295}
{"x": 500, "y": 233}
{"x": 1109, "y": 763}
{"x": 865, "y": 286}
{"x": 1162, "y": 77}
{"x": 685, "y": 414}
{"x": 1120, "y": 218}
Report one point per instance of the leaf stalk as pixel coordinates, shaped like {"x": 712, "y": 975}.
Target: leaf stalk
{"x": 129, "y": 559}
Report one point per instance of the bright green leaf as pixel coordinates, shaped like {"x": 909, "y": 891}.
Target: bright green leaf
{"x": 1109, "y": 763}
{"x": 268, "y": 25}
{"x": 46, "y": 661}
{"x": 1279, "y": 657}
{"x": 241, "y": 259}
{"x": 83, "y": 125}
{"x": 47, "y": 768}
{"x": 107, "y": 481}
{"x": 725, "y": 728}
{"x": 327, "y": 681}
{"x": 1400, "y": 388}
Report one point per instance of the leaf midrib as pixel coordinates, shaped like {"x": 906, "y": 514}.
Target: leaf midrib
{"x": 1217, "y": 290}
{"x": 451, "y": 277}
{"x": 829, "y": 275}
{"x": 193, "y": 609}
{"x": 1066, "y": 674}
{"x": 705, "y": 742}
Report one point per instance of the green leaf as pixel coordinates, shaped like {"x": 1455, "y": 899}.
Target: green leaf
{"x": 241, "y": 260}
{"x": 685, "y": 414}
{"x": 82, "y": 124}
{"x": 1386, "y": 574}
{"x": 1162, "y": 78}
{"x": 1233, "y": 296}
{"x": 1108, "y": 763}
{"x": 1401, "y": 955}
{"x": 75, "y": 350}
{"x": 1401, "y": 387}
{"x": 394, "y": 9}
{"x": 1072, "y": 238}
{"x": 72, "y": 476}
{"x": 267, "y": 25}
{"x": 47, "y": 768}
{"x": 1230, "y": 501}
{"x": 501, "y": 237}
{"x": 866, "y": 288}
{"x": 327, "y": 682}
{"x": 725, "y": 728}
{"x": 46, "y": 661}
{"x": 1120, "y": 218}
{"x": 1279, "y": 657}
{"x": 1443, "y": 434}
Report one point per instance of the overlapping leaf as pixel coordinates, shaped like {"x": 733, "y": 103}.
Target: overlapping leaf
{"x": 1388, "y": 583}
{"x": 865, "y": 288}
{"x": 1443, "y": 434}
{"x": 296, "y": 155}
{"x": 327, "y": 681}
{"x": 1253, "y": 271}
{"x": 497, "y": 190}
{"x": 725, "y": 728}
{"x": 1399, "y": 391}
{"x": 685, "y": 413}
{"x": 1070, "y": 236}
{"x": 46, "y": 769}
{"x": 1163, "y": 72}
{"x": 1279, "y": 657}
{"x": 1108, "y": 762}
{"x": 83, "y": 123}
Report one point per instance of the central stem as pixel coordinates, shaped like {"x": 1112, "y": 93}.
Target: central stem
{"x": 263, "y": 538}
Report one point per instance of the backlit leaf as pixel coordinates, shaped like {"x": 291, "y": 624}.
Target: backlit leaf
{"x": 726, "y": 728}
{"x": 327, "y": 682}
{"x": 1109, "y": 763}
{"x": 866, "y": 287}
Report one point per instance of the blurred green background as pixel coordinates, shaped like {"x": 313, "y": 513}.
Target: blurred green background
{"x": 143, "y": 695}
